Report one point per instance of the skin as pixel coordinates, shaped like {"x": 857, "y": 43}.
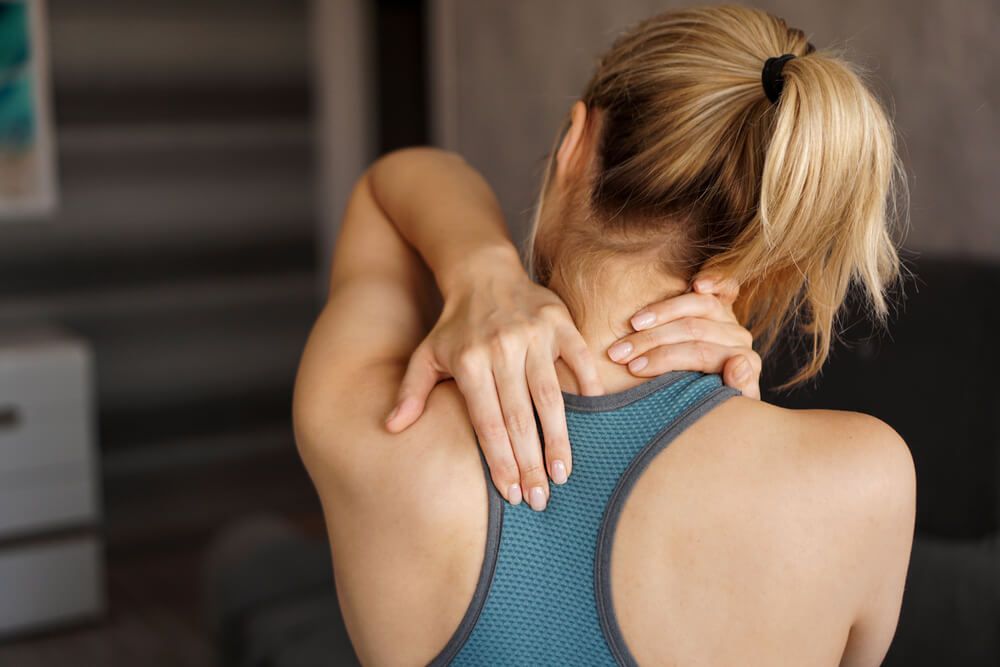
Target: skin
{"x": 499, "y": 334}
{"x": 787, "y": 533}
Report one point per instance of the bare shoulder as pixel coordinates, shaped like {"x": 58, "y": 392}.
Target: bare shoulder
{"x": 850, "y": 454}
{"x": 854, "y": 487}
{"x": 405, "y": 513}
{"x": 873, "y": 462}
{"x": 346, "y": 448}
{"x": 843, "y": 480}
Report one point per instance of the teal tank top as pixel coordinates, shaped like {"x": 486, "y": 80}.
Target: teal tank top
{"x": 543, "y": 596}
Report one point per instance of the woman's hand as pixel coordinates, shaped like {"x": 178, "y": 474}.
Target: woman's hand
{"x": 499, "y": 336}
{"x": 695, "y": 331}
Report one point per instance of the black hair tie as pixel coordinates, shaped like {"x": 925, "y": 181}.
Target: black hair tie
{"x": 772, "y": 78}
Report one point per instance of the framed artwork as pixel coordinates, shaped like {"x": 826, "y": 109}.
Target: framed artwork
{"x": 27, "y": 150}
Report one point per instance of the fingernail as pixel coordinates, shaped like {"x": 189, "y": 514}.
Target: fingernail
{"x": 559, "y": 472}
{"x": 703, "y": 285}
{"x": 619, "y": 351}
{"x": 638, "y": 364}
{"x": 743, "y": 370}
{"x": 537, "y": 500}
{"x": 643, "y": 319}
{"x": 514, "y": 494}
{"x": 392, "y": 415}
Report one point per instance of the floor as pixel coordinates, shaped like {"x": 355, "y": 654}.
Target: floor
{"x": 158, "y": 530}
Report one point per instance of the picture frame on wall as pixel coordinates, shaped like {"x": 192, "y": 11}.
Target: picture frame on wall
{"x": 27, "y": 147}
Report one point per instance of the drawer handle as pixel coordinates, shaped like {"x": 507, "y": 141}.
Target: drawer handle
{"x": 10, "y": 417}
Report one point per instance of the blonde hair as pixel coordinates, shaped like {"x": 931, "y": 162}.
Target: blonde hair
{"x": 793, "y": 199}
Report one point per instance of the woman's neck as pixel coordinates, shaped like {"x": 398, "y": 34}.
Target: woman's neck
{"x": 603, "y": 304}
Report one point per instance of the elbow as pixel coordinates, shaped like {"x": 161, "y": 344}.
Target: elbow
{"x": 416, "y": 157}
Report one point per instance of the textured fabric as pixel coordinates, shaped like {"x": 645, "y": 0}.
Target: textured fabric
{"x": 538, "y": 605}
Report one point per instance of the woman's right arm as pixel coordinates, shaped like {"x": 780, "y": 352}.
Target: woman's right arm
{"x": 498, "y": 334}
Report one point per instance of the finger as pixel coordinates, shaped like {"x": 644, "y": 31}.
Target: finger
{"x": 574, "y": 351}
{"x": 739, "y": 373}
{"x": 475, "y": 381}
{"x": 726, "y": 289}
{"x": 418, "y": 381}
{"x": 690, "y": 356}
{"x": 682, "y": 330}
{"x": 515, "y": 401}
{"x": 689, "y": 304}
{"x": 545, "y": 392}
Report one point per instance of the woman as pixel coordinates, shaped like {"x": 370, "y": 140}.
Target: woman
{"x": 687, "y": 524}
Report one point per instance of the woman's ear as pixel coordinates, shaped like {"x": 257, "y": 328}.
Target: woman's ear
{"x": 571, "y": 149}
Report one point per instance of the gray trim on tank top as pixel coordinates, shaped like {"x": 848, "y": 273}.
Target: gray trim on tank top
{"x": 494, "y": 527}
{"x": 496, "y": 503}
{"x": 620, "y": 399}
{"x": 613, "y": 510}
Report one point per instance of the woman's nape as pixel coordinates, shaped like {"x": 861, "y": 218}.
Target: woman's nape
{"x": 605, "y": 296}
{"x": 677, "y": 158}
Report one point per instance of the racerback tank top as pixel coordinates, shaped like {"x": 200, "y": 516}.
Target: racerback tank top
{"x": 544, "y": 596}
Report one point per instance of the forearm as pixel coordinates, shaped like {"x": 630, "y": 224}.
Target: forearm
{"x": 446, "y": 211}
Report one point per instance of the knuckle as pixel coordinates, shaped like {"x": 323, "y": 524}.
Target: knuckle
{"x": 705, "y": 299}
{"x": 701, "y": 352}
{"x": 695, "y": 328}
{"x": 556, "y": 447}
{"x": 578, "y": 349}
{"x": 506, "y": 343}
{"x": 664, "y": 356}
{"x": 469, "y": 361}
{"x": 505, "y": 471}
{"x": 711, "y": 303}
{"x": 533, "y": 472}
{"x": 549, "y": 395}
{"x": 519, "y": 423}
{"x": 493, "y": 430}
{"x": 644, "y": 340}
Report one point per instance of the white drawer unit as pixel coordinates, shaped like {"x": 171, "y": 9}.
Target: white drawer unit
{"x": 50, "y": 583}
{"x": 50, "y": 554}
{"x": 47, "y": 465}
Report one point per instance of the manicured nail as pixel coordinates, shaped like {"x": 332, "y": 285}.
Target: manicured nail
{"x": 643, "y": 319}
{"x": 392, "y": 415}
{"x": 743, "y": 371}
{"x": 514, "y": 494}
{"x": 559, "y": 472}
{"x": 619, "y": 351}
{"x": 638, "y": 364}
{"x": 537, "y": 500}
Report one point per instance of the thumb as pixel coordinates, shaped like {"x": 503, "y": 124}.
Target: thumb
{"x": 726, "y": 289}
{"x": 420, "y": 378}
{"x": 738, "y": 373}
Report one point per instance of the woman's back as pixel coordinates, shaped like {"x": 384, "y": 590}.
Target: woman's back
{"x": 755, "y": 537}
{"x": 710, "y": 145}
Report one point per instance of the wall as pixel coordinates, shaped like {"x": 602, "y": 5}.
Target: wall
{"x": 505, "y": 72}
{"x": 183, "y": 247}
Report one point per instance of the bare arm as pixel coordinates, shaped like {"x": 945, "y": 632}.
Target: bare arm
{"x": 887, "y": 539}
{"x": 499, "y": 333}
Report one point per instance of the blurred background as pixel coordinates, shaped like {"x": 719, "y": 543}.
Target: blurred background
{"x": 171, "y": 175}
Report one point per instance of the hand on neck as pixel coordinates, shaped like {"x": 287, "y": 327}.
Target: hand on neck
{"x": 602, "y": 305}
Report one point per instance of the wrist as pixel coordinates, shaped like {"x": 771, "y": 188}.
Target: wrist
{"x": 488, "y": 262}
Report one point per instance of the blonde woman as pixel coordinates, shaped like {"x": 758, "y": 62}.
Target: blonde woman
{"x": 686, "y": 522}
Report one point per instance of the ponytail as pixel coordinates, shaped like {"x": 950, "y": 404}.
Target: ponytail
{"x": 789, "y": 190}
{"x": 826, "y": 196}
